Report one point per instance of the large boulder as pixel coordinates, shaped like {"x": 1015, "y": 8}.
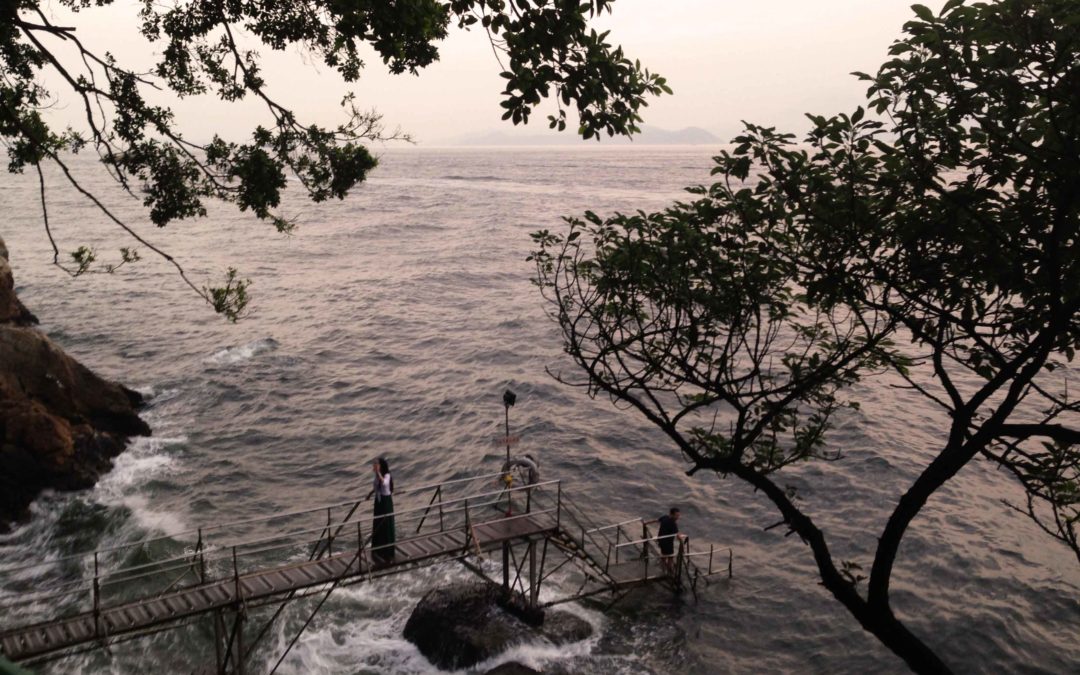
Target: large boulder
{"x": 461, "y": 625}
{"x": 60, "y": 424}
{"x": 562, "y": 628}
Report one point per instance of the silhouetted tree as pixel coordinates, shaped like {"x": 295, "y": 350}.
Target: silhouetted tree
{"x": 939, "y": 241}
{"x": 545, "y": 46}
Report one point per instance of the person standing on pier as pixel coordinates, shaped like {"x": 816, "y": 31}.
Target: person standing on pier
{"x": 383, "y": 533}
{"x": 669, "y": 533}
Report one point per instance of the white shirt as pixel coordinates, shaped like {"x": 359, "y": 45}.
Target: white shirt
{"x": 383, "y": 488}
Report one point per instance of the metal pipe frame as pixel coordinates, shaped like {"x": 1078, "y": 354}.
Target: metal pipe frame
{"x": 450, "y": 520}
{"x": 210, "y": 554}
{"x": 173, "y": 536}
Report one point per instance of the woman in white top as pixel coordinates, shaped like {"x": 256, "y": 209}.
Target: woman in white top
{"x": 383, "y": 533}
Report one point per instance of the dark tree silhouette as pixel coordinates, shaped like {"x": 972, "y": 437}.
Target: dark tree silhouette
{"x": 939, "y": 241}
{"x": 545, "y": 49}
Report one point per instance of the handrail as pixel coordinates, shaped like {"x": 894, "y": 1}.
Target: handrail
{"x": 579, "y": 516}
{"x": 220, "y": 526}
{"x": 218, "y": 553}
{"x": 116, "y": 587}
{"x": 642, "y": 541}
{"x": 209, "y": 552}
{"x": 699, "y": 554}
{"x": 608, "y": 527}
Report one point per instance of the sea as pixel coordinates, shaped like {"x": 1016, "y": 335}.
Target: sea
{"x": 390, "y": 324}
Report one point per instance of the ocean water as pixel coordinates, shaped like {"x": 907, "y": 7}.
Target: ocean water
{"x": 390, "y": 324}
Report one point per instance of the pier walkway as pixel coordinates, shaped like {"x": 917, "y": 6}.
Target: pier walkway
{"x": 92, "y": 600}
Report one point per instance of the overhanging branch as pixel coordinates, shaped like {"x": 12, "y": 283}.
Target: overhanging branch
{"x": 1057, "y": 432}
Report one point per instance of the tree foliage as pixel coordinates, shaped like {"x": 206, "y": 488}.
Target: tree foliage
{"x": 549, "y": 48}
{"x": 936, "y": 238}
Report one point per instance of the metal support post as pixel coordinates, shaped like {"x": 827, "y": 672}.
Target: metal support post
{"x": 558, "y": 509}
{"x": 97, "y": 599}
{"x": 239, "y": 655}
{"x": 219, "y": 629}
{"x": 436, "y": 495}
{"x": 534, "y": 582}
{"x": 235, "y": 656}
{"x": 442, "y": 528}
{"x": 679, "y": 562}
{"x": 359, "y": 547}
{"x": 202, "y": 558}
{"x": 329, "y": 535}
{"x": 506, "y": 567}
{"x": 468, "y": 522}
{"x": 236, "y": 577}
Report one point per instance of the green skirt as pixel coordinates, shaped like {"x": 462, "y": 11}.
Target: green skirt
{"x": 383, "y": 533}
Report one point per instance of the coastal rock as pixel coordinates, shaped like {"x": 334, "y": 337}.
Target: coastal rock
{"x": 12, "y": 310}
{"x": 60, "y": 424}
{"x": 562, "y": 628}
{"x": 461, "y": 625}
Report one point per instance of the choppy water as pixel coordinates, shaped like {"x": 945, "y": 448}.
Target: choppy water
{"x": 390, "y": 324}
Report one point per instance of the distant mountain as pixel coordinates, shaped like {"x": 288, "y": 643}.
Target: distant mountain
{"x": 648, "y": 136}
{"x": 684, "y": 136}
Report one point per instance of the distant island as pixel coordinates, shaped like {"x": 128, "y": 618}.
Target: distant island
{"x": 648, "y": 136}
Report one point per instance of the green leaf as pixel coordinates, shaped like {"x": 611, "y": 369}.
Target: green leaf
{"x": 923, "y": 12}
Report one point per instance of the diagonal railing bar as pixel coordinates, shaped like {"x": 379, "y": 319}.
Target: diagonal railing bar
{"x": 436, "y": 495}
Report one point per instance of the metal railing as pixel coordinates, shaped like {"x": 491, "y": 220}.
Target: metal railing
{"x": 225, "y": 553}
{"x": 163, "y": 564}
{"x": 642, "y": 548}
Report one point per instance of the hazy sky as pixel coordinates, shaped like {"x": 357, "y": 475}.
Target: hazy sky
{"x": 767, "y": 61}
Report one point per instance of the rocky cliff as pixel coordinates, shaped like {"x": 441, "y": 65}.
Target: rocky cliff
{"x": 60, "y": 424}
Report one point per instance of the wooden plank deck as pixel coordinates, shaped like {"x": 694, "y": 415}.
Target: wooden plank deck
{"x": 42, "y": 638}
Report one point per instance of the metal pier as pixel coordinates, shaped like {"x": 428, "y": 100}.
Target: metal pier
{"x": 92, "y": 600}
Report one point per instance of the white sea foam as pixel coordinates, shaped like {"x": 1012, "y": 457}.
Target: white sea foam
{"x": 145, "y": 460}
{"x": 154, "y": 395}
{"x": 240, "y": 353}
{"x": 364, "y": 623}
{"x": 376, "y": 643}
{"x": 372, "y": 642}
{"x": 538, "y": 654}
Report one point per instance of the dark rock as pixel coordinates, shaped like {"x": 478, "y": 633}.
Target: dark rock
{"x": 563, "y": 628}
{"x": 512, "y": 668}
{"x": 519, "y": 608}
{"x": 11, "y": 309}
{"x": 60, "y": 424}
{"x": 461, "y": 625}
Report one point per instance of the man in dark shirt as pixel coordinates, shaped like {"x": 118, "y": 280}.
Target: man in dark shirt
{"x": 669, "y": 532}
